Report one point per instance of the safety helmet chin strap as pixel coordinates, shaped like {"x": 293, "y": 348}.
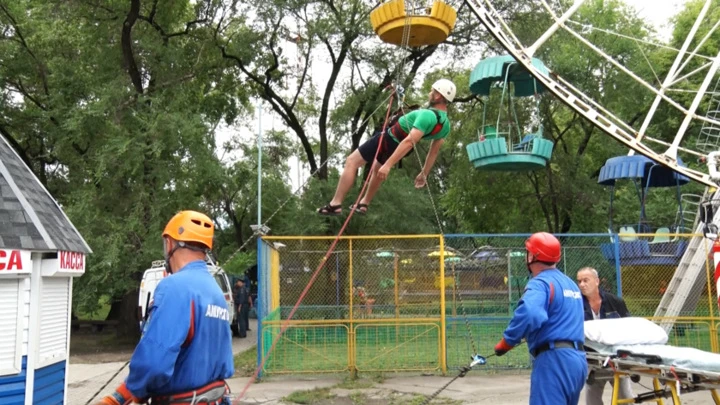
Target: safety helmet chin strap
{"x": 533, "y": 261}
{"x": 178, "y": 245}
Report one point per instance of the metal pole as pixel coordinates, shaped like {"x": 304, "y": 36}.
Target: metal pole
{"x": 509, "y": 281}
{"x": 259, "y": 143}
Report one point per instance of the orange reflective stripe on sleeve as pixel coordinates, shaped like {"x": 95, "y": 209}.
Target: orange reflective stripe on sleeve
{"x": 191, "y": 331}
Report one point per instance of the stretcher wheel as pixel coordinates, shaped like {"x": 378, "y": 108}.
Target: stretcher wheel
{"x": 635, "y": 378}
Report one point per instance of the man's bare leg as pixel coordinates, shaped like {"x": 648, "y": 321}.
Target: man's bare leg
{"x": 373, "y": 186}
{"x": 347, "y": 178}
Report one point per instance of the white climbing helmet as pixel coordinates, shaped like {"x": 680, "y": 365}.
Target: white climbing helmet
{"x": 446, "y": 88}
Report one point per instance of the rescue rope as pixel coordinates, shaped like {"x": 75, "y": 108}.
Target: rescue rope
{"x": 107, "y": 383}
{"x": 463, "y": 371}
{"x": 301, "y": 187}
{"x": 324, "y": 260}
{"x": 476, "y": 359}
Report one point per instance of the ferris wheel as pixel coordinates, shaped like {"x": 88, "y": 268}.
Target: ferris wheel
{"x": 707, "y": 146}
{"x": 422, "y": 22}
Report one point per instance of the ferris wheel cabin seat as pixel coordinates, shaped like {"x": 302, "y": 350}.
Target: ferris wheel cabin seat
{"x": 501, "y": 150}
{"x": 390, "y": 19}
{"x": 658, "y": 247}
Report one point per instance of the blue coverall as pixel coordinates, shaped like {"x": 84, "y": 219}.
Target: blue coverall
{"x": 188, "y": 303}
{"x": 558, "y": 375}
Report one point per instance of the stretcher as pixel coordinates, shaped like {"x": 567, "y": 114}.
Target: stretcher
{"x": 673, "y": 370}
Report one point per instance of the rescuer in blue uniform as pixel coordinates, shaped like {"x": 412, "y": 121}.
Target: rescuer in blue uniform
{"x": 186, "y": 348}
{"x": 550, "y": 317}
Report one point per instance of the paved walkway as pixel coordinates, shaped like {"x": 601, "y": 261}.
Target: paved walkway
{"x": 84, "y": 380}
{"x": 472, "y": 389}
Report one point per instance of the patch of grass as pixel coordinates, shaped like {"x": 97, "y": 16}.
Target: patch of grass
{"x": 358, "y": 398}
{"x": 99, "y": 313}
{"x": 350, "y": 383}
{"x": 420, "y": 399}
{"x": 379, "y": 378}
{"x": 246, "y": 362}
{"x": 309, "y": 396}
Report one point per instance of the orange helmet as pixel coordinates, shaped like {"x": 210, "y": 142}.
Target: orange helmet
{"x": 544, "y": 246}
{"x": 191, "y": 226}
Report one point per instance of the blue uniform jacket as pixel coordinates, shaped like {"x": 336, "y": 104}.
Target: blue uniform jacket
{"x": 541, "y": 320}
{"x": 187, "y": 342}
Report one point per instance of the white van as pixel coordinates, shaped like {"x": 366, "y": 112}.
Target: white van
{"x": 156, "y": 273}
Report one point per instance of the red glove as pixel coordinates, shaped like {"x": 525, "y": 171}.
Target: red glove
{"x": 121, "y": 396}
{"x": 502, "y": 347}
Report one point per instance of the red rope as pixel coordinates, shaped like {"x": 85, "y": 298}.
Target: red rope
{"x": 322, "y": 262}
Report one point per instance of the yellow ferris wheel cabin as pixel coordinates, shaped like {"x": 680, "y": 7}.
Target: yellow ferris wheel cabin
{"x": 390, "y": 19}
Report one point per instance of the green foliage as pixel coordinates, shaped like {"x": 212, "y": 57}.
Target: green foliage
{"x": 115, "y": 105}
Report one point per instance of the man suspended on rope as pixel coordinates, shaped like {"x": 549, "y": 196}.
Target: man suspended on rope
{"x": 550, "y": 317}
{"x": 185, "y": 352}
{"x": 399, "y": 139}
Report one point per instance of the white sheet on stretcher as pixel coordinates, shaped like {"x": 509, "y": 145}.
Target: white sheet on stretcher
{"x": 686, "y": 358}
{"x": 641, "y": 336}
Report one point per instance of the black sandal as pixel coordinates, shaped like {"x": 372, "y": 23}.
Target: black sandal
{"x": 330, "y": 210}
{"x": 359, "y": 208}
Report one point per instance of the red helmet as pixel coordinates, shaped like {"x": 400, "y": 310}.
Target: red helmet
{"x": 544, "y": 246}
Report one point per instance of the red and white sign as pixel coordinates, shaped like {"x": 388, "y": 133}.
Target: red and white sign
{"x": 715, "y": 253}
{"x": 71, "y": 261}
{"x": 67, "y": 264}
{"x": 15, "y": 262}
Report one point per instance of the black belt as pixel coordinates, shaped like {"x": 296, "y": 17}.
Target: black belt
{"x": 558, "y": 344}
{"x": 210, "y": 394}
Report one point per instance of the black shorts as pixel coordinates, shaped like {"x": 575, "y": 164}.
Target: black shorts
{"x": 369, "y": 148}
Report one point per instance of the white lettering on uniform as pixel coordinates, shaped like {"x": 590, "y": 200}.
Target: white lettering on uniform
{"x": 572, "y": 294}
{"x": 214, "y": 311}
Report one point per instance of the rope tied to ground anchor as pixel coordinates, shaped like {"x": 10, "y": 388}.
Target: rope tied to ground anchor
{"x": 476, "y": 360}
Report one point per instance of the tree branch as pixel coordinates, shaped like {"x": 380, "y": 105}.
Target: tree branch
{"x": 126, "y": 41}
{"x": 18, "y": 32}
{"x": 535, "y": 182}
{"x": 15, "y": 145}
{"x": 303, "y": 76}
{"x": 277, "y": 103}
{"x": 22, "y": 90}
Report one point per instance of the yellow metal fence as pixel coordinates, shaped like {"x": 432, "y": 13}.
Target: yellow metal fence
{"x": 428, "y": 302}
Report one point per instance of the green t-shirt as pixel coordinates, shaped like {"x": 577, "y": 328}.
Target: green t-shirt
{"x": 424, "y": 120}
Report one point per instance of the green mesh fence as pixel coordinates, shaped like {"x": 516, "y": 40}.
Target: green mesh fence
{"x": 376, "y": 303}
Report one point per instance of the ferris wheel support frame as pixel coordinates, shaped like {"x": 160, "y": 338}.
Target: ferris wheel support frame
{"x": 672, "y": 72}
{"x": 605, "y": 121}
{"x": 671, "y": 152}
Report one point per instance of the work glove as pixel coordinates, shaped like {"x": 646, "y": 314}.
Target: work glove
{"x": 121, "y": 396}
{"x": 502, "y": 347}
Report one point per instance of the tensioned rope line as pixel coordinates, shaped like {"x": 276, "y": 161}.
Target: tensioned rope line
{"x": 108, "y": 382}
{"x": 476, "y": 358}
{"x": 285, "y": 324}
{"x": 302, "y": 186}
{"x": 590, "y": 27}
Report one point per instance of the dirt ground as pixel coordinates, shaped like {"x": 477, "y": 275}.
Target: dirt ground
{"x": 90, "y": 348}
